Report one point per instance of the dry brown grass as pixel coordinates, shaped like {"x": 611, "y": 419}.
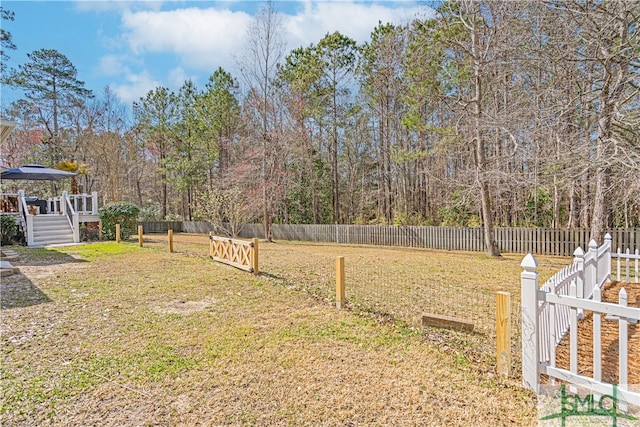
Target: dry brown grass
{"x": 109, "y": 334}
{"x": 400, "y": 284}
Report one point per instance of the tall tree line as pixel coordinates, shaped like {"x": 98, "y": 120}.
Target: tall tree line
{"x": 491, "y": 113}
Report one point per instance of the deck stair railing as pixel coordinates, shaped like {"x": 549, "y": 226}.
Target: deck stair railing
{"x": 26, "y": 219}
{"x": 72, "y": 216}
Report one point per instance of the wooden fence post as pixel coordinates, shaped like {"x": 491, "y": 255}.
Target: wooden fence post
{"x": 503, "y": 333}
{"x": 140, "y": 235}
{"x": 340, "y": 299}
{"x": 170, "y": 240}
{"x": 530, "y": 345}
{"x": 254, "y": 258}
{"x": 117, "y": 233}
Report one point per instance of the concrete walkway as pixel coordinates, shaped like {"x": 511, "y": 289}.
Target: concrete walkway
{"x": 6, "y": 256}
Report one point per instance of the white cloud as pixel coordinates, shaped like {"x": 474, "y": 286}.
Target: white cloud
{"x": 136, "y": 87}
{"x": 112, "y": 65}
{"x": 177, "y": 77}
{"x": 201, "y": 38}
{"x": 206, "y": 38}
{"x": 353, "y": 19}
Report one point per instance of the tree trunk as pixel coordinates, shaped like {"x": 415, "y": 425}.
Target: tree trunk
{"x": 480, "y": 154}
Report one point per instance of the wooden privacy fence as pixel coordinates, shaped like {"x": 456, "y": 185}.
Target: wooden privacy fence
{"x": 238, "y": 253}
{"x": 540, "y": 241}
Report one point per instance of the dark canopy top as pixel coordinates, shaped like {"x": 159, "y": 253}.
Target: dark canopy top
{"x": 35, "y": 173}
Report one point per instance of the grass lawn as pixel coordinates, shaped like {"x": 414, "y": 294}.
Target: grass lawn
{"x": 114, "y": 334}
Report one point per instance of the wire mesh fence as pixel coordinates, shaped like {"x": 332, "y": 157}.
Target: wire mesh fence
{"x": 399, "y": 284}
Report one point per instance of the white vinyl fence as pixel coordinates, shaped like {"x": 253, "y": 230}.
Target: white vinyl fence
{"x": 627, "y": 258}
{"x": 551, "y": 311}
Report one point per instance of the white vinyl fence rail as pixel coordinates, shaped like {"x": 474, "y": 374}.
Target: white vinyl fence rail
{"x": 551, "y": 311}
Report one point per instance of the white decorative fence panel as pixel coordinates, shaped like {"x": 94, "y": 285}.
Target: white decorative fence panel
{"x": 555, "y": 309}
{"x": 628, "y": 259}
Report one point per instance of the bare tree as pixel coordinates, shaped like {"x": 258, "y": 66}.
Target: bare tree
{"x": 264, "y": 50}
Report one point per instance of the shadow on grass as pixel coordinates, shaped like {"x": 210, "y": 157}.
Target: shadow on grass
{"x": 42, "y": 257}
{"x": 18, "y": 291}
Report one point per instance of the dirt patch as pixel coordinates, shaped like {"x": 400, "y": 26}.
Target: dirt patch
{"x": 182, "y": 307}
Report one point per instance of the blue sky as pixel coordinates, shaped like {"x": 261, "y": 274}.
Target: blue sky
{"x": 135, "y": 46}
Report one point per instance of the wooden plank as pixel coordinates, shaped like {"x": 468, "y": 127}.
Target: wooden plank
{"x": 226, "y": 239}
{"x": 340, "y": 295}
{"x": 232, "y": 263}
{"x": 503, "y": 333}
{"x": 254, "y": 257}
{"x": 438, "y": 321}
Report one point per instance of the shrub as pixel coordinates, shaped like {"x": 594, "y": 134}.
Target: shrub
{"x": 123, "y": 213}
{"x": 89, "y": 232}
{"x": 8, "y": 229}
{"x": 152, "y": 212}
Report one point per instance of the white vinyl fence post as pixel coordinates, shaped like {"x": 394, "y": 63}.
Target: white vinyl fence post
{"x": 591, "y": 265}
{"x": 530, "y": 345}
{"x": 578, "y": 260}
{"x": 608, "y": 249}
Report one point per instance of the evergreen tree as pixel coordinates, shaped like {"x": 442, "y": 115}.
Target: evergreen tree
{"x": 50, "y": 83}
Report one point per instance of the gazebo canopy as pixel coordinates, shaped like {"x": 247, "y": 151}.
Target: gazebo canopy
{"x": 35, "y": 173}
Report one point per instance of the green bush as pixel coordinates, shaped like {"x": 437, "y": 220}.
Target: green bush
{"x": 8, "y": 229}
{"x": 152, "y": 212}
{"x": 123, "y": 213}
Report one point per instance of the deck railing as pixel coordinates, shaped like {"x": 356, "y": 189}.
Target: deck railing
{"x": 76, "y": 207}
{"x": 83, "y": 204}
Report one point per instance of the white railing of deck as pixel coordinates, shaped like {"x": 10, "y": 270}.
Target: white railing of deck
{"x": 54, "y": 205}
{"x": 85, "y": 204}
